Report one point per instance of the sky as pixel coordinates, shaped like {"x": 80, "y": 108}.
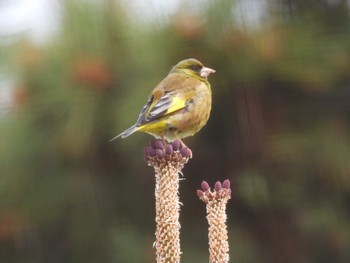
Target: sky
{"x": 34, "y": 17}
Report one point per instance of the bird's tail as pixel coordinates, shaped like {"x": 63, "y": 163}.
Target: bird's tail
{"x": 125, "y": 133}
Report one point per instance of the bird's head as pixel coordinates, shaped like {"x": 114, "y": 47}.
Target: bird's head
{"x": 192, "y": 67}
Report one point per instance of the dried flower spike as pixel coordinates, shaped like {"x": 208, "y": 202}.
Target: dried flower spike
{"x": 216, "y": 201}
{"x": 167, "y": 160}
{"x": 160, "y": 149}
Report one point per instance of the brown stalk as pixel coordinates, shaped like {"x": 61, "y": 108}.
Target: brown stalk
{"x": 216, "y": 201}
{"x": 167, "y": 160}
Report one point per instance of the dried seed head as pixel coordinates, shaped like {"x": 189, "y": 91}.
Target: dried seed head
{"x": 168, "y": 164}
{"x": 161, "y": 153}
{"x": 216, "y": 202}
{"x": 219, "y": 192}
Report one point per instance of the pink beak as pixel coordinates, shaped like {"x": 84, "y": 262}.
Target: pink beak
{"x": 205, "y": 72}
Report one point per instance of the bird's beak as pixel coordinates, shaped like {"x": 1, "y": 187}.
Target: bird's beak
{"x": 205, "y": 72}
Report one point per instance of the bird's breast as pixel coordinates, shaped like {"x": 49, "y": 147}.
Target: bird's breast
{"x": 193, "y": 117}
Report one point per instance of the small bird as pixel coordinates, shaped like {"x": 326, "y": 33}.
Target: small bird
{"x": 179, "y": 106}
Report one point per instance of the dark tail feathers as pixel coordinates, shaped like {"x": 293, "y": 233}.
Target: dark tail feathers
{"x": 125, "y": 133}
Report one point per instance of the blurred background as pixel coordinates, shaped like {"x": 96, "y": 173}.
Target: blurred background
{"x": 73, "y": 74}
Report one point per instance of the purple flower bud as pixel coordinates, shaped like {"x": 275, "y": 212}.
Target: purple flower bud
{"x": 150, "y": 151}
{"x": 226, "y": 184}
{"x": 168, "y": 149}
{"x": 217, "y": 186}
{"x": 160, "y": 153}
{"x": 205, "y": 186}
{"x": 200, "y": 193}
{"x": 158, "y": 144}
{"x": 186, "y": 152}
{"x": 176, "y": 145}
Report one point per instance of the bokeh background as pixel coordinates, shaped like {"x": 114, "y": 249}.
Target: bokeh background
{"x": 74, "y": 73}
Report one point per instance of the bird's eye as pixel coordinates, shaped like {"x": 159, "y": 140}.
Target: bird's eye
{"x": 195, "y": 68}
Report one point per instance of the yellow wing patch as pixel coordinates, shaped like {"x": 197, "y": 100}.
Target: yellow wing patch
{"x": 176, "y": 104}
{"x": 160, "y": 124}
{"x": 156, "y": 127}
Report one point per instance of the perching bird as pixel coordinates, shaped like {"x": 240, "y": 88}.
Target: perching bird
{"x": 179, "y": 106}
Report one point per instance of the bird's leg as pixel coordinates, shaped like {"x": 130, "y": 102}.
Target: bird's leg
{"x": 183, "y": 145}
{"x": 163, "y": 140}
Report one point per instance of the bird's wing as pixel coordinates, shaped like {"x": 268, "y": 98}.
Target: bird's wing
{"x": 167, "y": 98}
{"x": 160, "y": 106}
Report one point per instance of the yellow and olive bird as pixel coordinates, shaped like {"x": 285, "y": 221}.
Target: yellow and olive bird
{"x": 179, "y": 106}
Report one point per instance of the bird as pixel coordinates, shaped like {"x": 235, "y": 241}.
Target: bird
{"x": 179, "y": 106}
